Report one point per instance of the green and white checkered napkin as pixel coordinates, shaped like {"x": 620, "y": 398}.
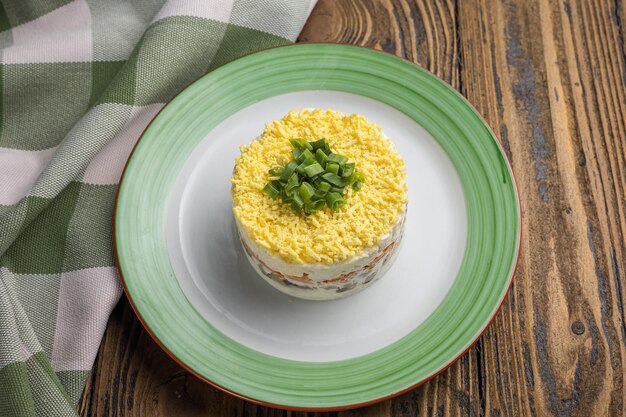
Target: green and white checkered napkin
{"x": 79, "y": 82}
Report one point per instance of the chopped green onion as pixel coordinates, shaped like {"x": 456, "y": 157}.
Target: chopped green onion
{"x": 270, "y": 190}
{"x": 306, "y": 154}
{"x": 332, "y": 167}
{"x": 306, "y": 191}
{"x": 315, "y": 178}
{"x": 301, "y": 144}
{"x": 300, "y": 169}
{"x": 334, "y": 179}
{"x": 338, "y": 159}
{"x": 320, "y": 156}
{"x": 319, "y": 144}
{"x": 326, "y": 148}
{"x": 297, "y": 202}
{"x": 313, "y": 207}
{"x": 296, "y": 143}
{"x": 334, "y": 201}
{"x": 289, "y": 169}
{"x": 276, "y": 171}
{"x": 313, "y": 170}
{"x": 293, "y": 182}
{"x": 309, "y": 161}
{"x": 324, "y": 187}
{"x": 355, "y": 177}
{"x": 347, "y": 170}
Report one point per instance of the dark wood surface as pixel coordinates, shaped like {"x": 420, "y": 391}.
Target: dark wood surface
{"x": 549, "y": 77}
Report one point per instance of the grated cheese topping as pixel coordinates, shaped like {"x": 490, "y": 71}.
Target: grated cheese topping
{"x": 324, "y": 237}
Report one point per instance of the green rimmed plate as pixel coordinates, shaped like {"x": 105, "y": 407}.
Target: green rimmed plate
{"x": 189, "y": 282}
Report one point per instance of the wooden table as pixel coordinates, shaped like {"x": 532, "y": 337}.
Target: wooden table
{"x": 549, "y": 77}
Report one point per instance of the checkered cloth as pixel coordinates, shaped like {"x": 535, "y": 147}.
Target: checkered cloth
{"x": 79, "y": 81}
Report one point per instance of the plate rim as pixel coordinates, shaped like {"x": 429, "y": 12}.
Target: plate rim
{"x": 447, "y": 365}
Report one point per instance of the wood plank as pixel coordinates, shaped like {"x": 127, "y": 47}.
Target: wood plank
{"x": 423, "y": 31}
{"x": 564, "y": 308}
{"x": 550, "y": 78}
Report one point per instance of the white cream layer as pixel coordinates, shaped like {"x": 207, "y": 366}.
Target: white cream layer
{"x": 323, "y": 272}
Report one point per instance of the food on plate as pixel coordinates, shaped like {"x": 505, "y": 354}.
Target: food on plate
{"x": 320, "y": 201}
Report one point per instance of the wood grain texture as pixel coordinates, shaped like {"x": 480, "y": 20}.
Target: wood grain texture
{"x": 550, "y": 78}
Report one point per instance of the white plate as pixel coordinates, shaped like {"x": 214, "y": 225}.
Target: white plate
{"x": 215, "y": 276}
